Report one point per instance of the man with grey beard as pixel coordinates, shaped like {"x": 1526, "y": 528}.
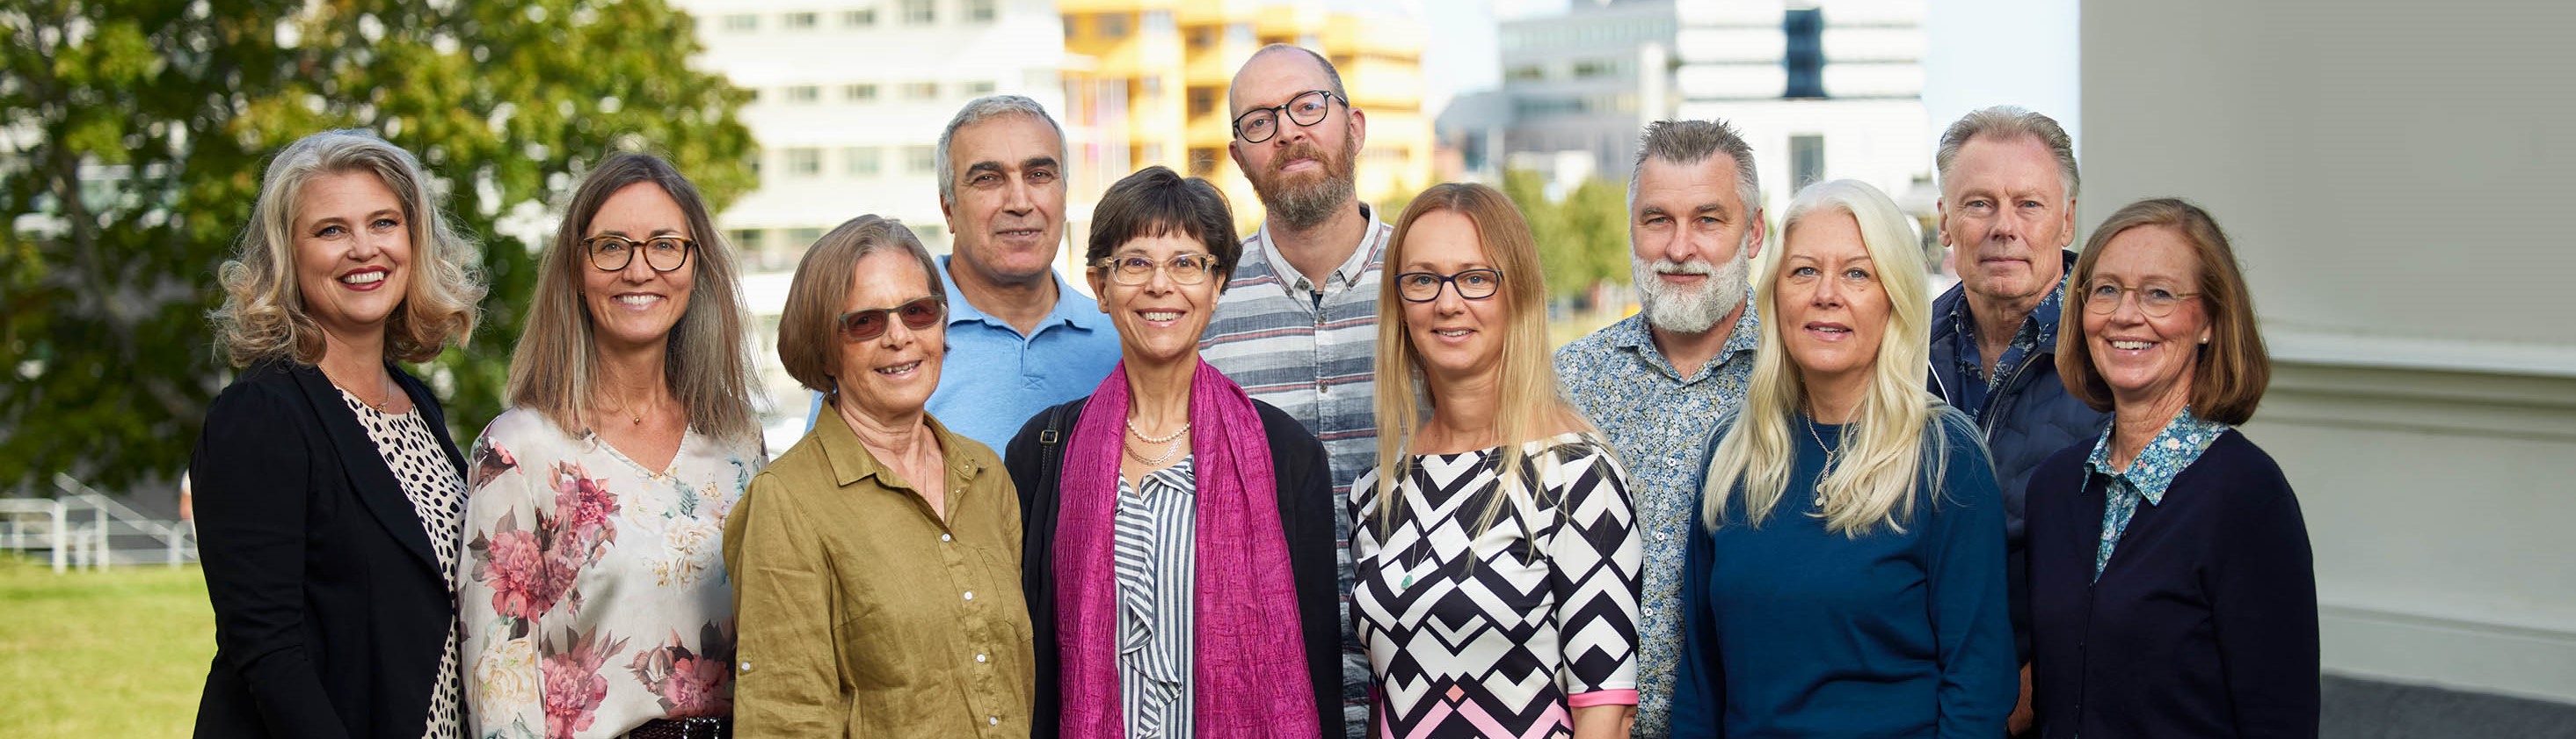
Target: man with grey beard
{"x": 1656, "y": 382}
{"x": 1297, "y": 325}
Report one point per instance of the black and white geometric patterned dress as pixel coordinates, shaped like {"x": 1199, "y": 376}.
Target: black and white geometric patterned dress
{"x": 437, "y": 492}
{"x": 1498, "y": 630}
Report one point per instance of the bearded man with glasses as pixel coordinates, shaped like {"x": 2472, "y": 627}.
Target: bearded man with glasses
{"x": 1297, "y": 325}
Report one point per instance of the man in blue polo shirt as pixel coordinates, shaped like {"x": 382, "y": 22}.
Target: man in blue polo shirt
{"x": 1020, "y": 339}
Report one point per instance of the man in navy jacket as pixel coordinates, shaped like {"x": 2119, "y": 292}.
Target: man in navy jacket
{"x": 2008, "y": 185}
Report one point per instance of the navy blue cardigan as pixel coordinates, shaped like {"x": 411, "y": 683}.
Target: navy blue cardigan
{"x": 2204, "y": 622}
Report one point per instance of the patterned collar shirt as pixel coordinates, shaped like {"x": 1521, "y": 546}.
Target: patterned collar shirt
{"x": 2037, "y": 331}
{"x": 1659, "y": 422}
{"x": 1308, "y": 345}
{"x": 2147, "y": 477}
{"x": 1157, "y": 564}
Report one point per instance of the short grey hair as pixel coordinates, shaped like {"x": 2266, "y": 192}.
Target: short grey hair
{"x": 1692, "y": 142}
{"x": 2009, "y": 123}
{"x": 984, "y": 109}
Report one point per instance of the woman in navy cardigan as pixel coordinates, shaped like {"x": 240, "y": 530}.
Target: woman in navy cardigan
{"x": 2172, "y": 592}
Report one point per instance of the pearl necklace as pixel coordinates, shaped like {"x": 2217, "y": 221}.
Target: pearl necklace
{"x": 1172, "y": 439}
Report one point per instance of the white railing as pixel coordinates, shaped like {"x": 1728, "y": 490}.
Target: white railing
{"x": 81, "y": 530}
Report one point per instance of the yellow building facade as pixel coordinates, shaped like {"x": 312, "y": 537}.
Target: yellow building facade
{"x": 1146, "y": 81}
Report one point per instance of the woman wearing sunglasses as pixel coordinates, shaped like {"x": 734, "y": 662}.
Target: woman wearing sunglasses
{"x": 593, "y": 596}
{"x": 876, "y": 562}
{"x": 1180, "y": 533}
{"x": 1494, "y": 544}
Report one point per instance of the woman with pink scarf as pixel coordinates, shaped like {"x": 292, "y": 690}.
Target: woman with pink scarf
{"x": 1178, "y": 553}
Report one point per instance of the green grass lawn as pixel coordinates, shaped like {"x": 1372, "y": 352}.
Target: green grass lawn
{"x": 121, "y": 653}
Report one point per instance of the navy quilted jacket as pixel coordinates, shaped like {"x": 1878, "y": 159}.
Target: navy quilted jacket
{"x": 2025, "y": 420}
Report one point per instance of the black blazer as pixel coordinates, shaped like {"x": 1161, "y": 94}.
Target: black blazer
{"x": 330, "y": 608}
{"x": 1306, "y": 511}
{"x": 2204, "y": 623}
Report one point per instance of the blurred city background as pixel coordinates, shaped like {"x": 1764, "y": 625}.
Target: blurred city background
{"x": 2390, "y": 173}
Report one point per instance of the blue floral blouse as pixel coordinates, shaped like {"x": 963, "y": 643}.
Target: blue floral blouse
{"x": 2173, "y": 449}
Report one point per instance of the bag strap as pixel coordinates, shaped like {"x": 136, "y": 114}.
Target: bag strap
{"x": 1052, "y": 441}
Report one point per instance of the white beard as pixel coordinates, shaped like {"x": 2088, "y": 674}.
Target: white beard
{"x": 1683, "y": 310}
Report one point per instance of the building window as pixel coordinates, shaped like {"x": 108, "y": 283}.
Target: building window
{"x": 1805, "y": 58}
{"x": 1072, "y": 25}
{"x": 861, "y": 18}
{"x": 1238, "y": 34}
{"x": 1203, "y": 162}
{"x": 859, "y": 93}
{"x": 1159, "y": 23}
{"x": 1112, "y": 25}
{"x": 801, "y": 239}
{"x": 862, "y": 161}
{"x": 1525, "y": 72}
{"x": 1151, "y": 86}
{"x": 1202, "y": 101}
{"x": 920, "y": 90}
{"x": 980, "y": 88}
{"x": 1806, "y": 160}
{"x": 920, "y": 12}
{"x": 802, "y": 21}
{"x": 920, "y": 159}
{"x": 1589, "y": 68}
{"x": 745, "y": 239}
{"x": 979, "y": 11}
{"x": 804, "y": 93}
{"x": 741, "y": 23}
{"x": 804, "y": 162}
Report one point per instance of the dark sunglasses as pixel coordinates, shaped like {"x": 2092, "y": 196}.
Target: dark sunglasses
{"x": 867, "y": 323}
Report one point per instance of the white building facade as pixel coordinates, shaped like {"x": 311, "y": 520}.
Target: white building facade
{"x": 1823, "y": 90}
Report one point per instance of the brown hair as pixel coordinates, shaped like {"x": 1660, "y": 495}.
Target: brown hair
{"x": 807, "y": 342}
{"x": 2229, "y": 376}
{"x": 1156, "y": 201}
{"x": 263, "y": 312}
{"x": 707, "y": 362}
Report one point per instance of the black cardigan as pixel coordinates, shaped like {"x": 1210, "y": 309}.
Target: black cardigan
{"x": 330, "y": 608}
{"x": 1306, "y": 511}
{"x": 2203, "y": 624}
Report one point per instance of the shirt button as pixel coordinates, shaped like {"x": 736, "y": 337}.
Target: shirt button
{"x": 979, "y": 658}
{"x": 746, "y": 665}
{"x": 945, "y": 537}
{"x": 970, "y": 595}
{"x": 992, "y": 721}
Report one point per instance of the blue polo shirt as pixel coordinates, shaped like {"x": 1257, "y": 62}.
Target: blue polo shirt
{"x": 994, "y": 378}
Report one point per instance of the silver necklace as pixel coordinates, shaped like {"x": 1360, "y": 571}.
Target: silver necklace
{"x": 1831, "y": 454}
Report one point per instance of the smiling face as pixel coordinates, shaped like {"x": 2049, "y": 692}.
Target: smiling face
{"x": 1693, "y": 240}
{"x": 636, "y": 306}
{"x": 1008, "y": 211}
{"x": 1457, "y": 338}
{"x": 1304, "y": 174}
{"x": 892, "y": 375}
{"x": 2146, "y": 360}
{"x": 1159, "y": 322}
{"x": 352, "y": 254}
{"x": 2005, "y": 215}
{"x": 1833, "y": 308}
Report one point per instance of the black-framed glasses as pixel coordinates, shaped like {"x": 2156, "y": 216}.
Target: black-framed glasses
{"x": 2104, "y": 297}
{"x": 1135, "y": 269}
{"x": 611, "y": 252}
{"x": 1306, "y": 109}
{"x": 1424, "y": 287}
{"x": 918, "y": 314}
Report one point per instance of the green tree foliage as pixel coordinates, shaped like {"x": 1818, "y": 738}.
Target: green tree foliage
{"x": 132, "y": 138}
{"x": 1582, "y": 238}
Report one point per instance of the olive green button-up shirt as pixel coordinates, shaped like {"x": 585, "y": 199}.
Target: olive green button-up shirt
{"x": 863, "y": 613}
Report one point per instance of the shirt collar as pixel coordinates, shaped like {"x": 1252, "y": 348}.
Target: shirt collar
{"x": 2174, "y": 448}
{"x": 1351, "y": 268}
{"x": 2040, "y": 326}
{"x": 1071, "y": 308}
{"x": 852, "y": 462}
{"x": 1741, "y": 339}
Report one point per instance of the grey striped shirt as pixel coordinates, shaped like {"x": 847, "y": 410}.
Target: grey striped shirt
{"x": 1309, "y": 347}
{"x": 1157, "y": 567}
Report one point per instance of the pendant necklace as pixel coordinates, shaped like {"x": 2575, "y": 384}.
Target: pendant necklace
{"x": 1831, "y": 453}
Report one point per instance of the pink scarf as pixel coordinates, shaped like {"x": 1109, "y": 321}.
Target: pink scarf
{"x": 1250, "y": 657}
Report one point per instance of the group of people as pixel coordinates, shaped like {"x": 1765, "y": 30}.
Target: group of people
{"x": 1323, "y": 479}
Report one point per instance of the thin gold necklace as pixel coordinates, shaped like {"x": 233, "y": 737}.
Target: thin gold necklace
{"x": 1831, "y": 454}
{"x": 379, "y": 406}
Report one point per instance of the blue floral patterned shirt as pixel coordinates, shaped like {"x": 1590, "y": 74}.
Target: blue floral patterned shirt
{"x": 1659, "y": 422}
{"x": 2173, "y": 449}
{"x": 2038, "y": 330}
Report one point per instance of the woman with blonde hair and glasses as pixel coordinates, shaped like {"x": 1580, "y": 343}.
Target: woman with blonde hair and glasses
{"x": 1849, "y": 576}
{"x": 1494, "y": 545}
{"x": 327, "y": 491}
{"x": 595, "y": 599}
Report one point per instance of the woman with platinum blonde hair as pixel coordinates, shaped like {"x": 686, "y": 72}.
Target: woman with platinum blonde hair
{"x": 327, "y": 491}
{"x": 1501, "y": 514}
{"x": 1849, "y": 578}
{"x": 595, "y": 598}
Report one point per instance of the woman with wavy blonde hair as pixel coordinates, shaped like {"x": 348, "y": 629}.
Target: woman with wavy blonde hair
{"x": 327, "y": 490}
{"x": 1848, "y": 579}
{"x": 1500, "y": 503}
{"x": 595, "y": 600}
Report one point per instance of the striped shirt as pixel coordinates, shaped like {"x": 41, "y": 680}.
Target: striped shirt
{"x": 1157, "y": 567}
{"x": 1310, "y": 348}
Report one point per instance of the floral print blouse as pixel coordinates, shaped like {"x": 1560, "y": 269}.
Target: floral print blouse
{"x": 593, "y": 590}
{"x": 2147, "y": 477}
